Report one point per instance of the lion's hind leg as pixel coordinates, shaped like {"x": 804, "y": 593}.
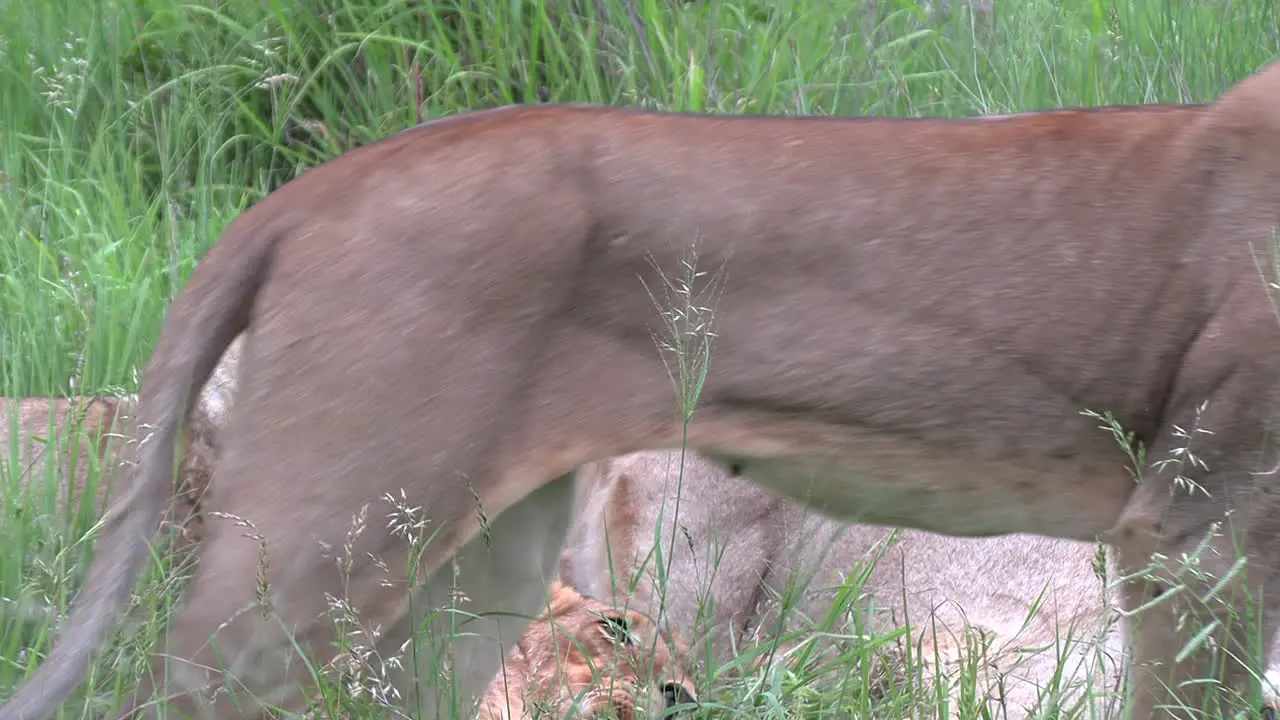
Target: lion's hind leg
{"x": 477, "y": 606}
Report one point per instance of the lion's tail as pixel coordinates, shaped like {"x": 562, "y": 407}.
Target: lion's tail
{"x": 203, "y": 321}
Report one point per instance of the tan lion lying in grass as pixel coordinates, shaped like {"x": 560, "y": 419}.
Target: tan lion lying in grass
{"x": 102, "y": 427}
{"x": 586, "y": 653}
{"x": 1043, "y": 620}
{"x": 85, "y": 445}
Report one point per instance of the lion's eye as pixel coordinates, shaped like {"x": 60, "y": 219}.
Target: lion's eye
{"x": 618, "y": 629}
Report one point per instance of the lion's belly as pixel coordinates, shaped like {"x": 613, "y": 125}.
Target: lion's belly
{"x": 888, "y": 480}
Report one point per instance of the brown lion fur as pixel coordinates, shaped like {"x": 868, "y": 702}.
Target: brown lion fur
{"x": 586, "y": 654}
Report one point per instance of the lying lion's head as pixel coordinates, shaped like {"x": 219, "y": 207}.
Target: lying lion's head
{"x": 605, "y": 661}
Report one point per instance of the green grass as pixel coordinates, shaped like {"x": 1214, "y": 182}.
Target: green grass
{"x": 133, "y": 131}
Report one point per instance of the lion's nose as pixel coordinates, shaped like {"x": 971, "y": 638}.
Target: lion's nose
{"x": 676, "y": 694}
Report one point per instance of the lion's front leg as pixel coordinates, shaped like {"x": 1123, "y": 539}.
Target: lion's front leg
{"x": 1197, "y": 552}
{"x": 1195, "y": 630}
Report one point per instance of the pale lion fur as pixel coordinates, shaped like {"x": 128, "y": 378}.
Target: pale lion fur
{"x": 586, "y": 655}
{"x": 724, "y": 560}
{"x": 910, "y": 318}
{"x": 66, "y": 444}
{"x": 75, "y": 441}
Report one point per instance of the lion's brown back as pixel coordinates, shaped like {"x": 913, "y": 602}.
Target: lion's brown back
{"x": 1069, "y": 257}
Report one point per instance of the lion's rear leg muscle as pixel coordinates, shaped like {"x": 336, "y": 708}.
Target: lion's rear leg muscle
{"x": 299, "y": 464}
{"x": 248, "y": 643}
{"x": 301, "y": 483}
{"x": 505, "y": 568}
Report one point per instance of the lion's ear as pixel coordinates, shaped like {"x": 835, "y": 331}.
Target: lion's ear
{"x": 617, "y": 628}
